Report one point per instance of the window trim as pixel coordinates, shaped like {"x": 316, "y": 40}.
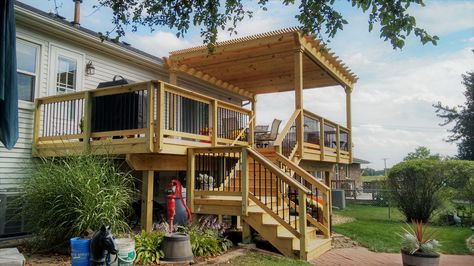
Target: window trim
{"x": 37, "y": 75}
{"x": 55, "y": 52}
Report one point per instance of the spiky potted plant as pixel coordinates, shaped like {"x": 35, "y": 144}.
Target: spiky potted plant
{"x": 419, "y": 246}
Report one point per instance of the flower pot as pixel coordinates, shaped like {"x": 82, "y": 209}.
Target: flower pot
{"x": 420, "y": 259}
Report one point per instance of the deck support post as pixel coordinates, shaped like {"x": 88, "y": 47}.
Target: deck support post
{"x": 147, "y": 201}
{"x": 302, "y": 223}
{"x": 246, "y": 233}
{"x": 299, "y": 101}
{"x": 349, "y": 121}
{"x": 190, "y": 180}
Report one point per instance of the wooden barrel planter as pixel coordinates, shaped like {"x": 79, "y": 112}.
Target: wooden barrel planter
{"x": 420, "y": 259}
{"x": 177, "y": 248}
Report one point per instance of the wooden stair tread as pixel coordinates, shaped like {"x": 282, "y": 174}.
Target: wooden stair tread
{"x": 311, "y": 244}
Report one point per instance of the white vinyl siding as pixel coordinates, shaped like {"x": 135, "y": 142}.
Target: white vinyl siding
{"x": 14, "y": 164}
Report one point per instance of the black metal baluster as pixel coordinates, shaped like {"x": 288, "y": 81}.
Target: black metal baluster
{"x": 265, "y": 186}
{"x": 271, "y": 190}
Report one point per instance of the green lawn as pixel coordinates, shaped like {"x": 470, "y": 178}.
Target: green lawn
{"x": 373, "y": 230}
{"x": 373, "y": 178}
{"x": 260, "y": 259}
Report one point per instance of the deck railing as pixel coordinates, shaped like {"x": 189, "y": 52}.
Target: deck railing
{"x": 135, "y": 118}
{"x": 335, "y": 147}
{"x": 293, "y": 199}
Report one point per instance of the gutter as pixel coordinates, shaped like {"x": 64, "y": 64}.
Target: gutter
{"x": 27, "y": 17}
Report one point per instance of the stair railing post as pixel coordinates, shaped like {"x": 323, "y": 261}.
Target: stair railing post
{"x": 302, "y": 223}
{"x": 245, "y": 182}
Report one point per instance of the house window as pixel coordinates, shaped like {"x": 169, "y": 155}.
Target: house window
{"x": 66, "y": 73}
{"x": 27, "y": 56}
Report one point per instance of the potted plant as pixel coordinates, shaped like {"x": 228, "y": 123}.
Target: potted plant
{"x": 419, "y": 247}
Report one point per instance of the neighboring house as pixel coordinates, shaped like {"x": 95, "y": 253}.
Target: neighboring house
{"x": 350, "y": 173}
{"x": 189, "y": 116}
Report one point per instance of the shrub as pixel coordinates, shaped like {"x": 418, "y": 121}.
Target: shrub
{"x": 148, "y": 247}
{"x": 416, "y": 187}
{"x": 63, "y": 197}
{"x": 207, "y": 237}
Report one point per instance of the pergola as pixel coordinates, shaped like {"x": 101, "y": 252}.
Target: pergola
{"x": 276, "y": 61}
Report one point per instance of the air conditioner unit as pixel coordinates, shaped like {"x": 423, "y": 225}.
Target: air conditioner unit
{"x": 12, "y": 223}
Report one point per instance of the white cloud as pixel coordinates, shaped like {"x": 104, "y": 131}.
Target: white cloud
{"x": 159, "y": 43}
{"x": 445, "y": 16}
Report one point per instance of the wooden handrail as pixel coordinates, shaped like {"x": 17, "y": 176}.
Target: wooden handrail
{"x": 276, "y": 170}
{"x": 287, "y": 127}
{"x": 301, "y": 172}
{"x": 48, "y": 99}
{"x": 242, "y": 131}
{"x": 327, "y": 121}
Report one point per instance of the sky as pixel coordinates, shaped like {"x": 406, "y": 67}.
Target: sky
{"x": 392, "y": 101}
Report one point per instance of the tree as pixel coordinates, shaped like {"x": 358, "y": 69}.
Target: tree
{"x": 318, "y": 17}
{"x": 421, "y": 153}
{"x": 463, "y": 119}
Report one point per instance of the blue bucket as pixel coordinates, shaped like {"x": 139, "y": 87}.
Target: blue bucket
{"x": 80, "y": 251}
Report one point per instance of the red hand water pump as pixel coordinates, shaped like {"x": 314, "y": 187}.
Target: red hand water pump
{"x": 172, "y": 204}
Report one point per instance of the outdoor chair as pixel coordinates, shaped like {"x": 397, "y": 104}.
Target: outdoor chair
{"x": 263, "y": 138}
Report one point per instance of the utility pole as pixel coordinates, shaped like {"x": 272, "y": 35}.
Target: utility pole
{"x": 385, "y": 174}
{"x": 385, "y": 166}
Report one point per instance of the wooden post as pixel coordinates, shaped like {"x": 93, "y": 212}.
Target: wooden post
{"x": 160, "y": 116}
{"x": 338, "y": 144}
{"x": 150, "y": 120}
{"x": 190, "y": 180}
{"x": 349, "y": 122}
{"x": 299, "y": 100}
{"x": 87, "y": 120}
{"x": 321, "y": 138}
{"x": 246, "y": 233}
{"x": 172, "y": 104}
{"x": 245, "y": 182}
{"x": 251, "y": 137}
{"x": 327, "y": 208}
{"x": 36, "y": 126}
{"x": 213, "y": 122}
{"x": 147, "y": 201}
{"x": 327, "y": 214}
{"x": 302, "y": 223}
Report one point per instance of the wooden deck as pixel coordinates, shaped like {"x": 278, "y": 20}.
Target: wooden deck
{"x": 159, "y": 118}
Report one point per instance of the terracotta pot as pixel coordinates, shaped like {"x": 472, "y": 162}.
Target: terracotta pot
{"x": 420, "y": 259}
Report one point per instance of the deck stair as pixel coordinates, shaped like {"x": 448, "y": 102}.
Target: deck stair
{"x": 281, "y": 201}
